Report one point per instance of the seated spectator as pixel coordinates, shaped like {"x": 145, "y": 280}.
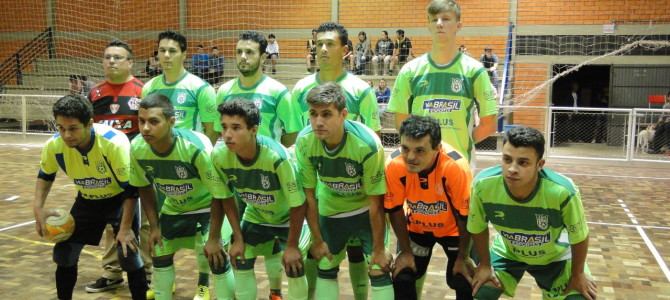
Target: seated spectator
{"x": 463, "y": 49}
{"x": 200, "y": 62}
{"x": 403, "y": 50}
{"x": 661, "y": 141}
{"x": 666, "y": 105}
{"x": 153, "y": 67}
{"x": 311, "y": 53}
{"x": 383, "y": 92}
{"x": 216, "y": 64}
{"x": 348, "y": 57}
{"x": 490, "y": 62}
{"x": 383, "y": 54}
{"x": 362, "y": 54}
{"x": 272, "y": 51}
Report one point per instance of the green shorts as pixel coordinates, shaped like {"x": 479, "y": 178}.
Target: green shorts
{"x": 552, "y": 278}
{"x": 259, "y": 240}
{"x": 182, "y": 232}
{"x": 340, "y": 232}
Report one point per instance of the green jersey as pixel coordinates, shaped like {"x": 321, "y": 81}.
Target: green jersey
{"x": 272, "y": 99}
{"x": 533, "y": 230}
{"x": 99, "y": 172}
{"x": 346, "y": 176}
{"x": 184, "y": 177}
{"x": 361, "y": 99}
{"x": 194, "y": 100}
{"x": 448, "y": 93}
{"x": 267, "y": 183}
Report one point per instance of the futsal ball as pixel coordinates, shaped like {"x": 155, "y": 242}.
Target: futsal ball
{"x": 60, "y": 227}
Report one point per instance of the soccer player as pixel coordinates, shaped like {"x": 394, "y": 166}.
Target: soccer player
{"x": 115, "y": 103}
{"x": 177, "y": 164}
{"x": 278, "y": 120}
{"x": 540, "y": 219}
{"x": 260, "y": 172}
{"x": 344, "y": 161}
{"x": 95, "y": 157}
{"x": 193, "y": 98}
{"x": 446, "y": 85}
{"x": 432, "y": 181}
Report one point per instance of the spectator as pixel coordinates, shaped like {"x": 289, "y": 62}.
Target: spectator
{"x": 311, "y": 53}
{"x": 463, "y": 49}
{"x": 153, "y": 67}
{"x": 80, "y": 85}
{"x": 667, "y": 101}
{"x": 403, "y": 50}
{"x": 661, "y": 140}
{"x": 216, "y": 64}
{"x": 201, "y": 62}
{"x": 490, "y": 62}
{"x": 383, "y": 92}
{"x": 273, "y": 51}
{"x": 363, "y": 53}
{"x": 384, "y": 53}
{"x": 348, "y": 57}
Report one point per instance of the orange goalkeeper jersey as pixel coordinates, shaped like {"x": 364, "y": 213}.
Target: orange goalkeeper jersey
{"x": 433, "y": 198}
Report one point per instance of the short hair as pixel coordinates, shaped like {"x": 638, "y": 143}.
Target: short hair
{"x": 326, "y": 94}
{"x": 341, "y": 31}
{"x": 400, "y": 32}
{"x": 439, "y": 6}
{"x": 175, "y": 36}
{"x": 200, "y": 46}
{"x": 215, "y": 47}
{"x": 417, "y": 127}
{"x": 243, "y": 108}
{"x": 74, "y": 77}
{"x": 257, "y": 37}
{"x": 523, "y": 136}
{"x": 74, "y": 106}
{"x": 160, "y": 101}
{"x": 121, "y": 44}
{"x": 271, "y": 36}
{"x": 385, "y": 32}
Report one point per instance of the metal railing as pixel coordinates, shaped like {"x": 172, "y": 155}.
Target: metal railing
{"x": 19, "y": 61}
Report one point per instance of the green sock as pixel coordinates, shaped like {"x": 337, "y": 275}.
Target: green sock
{"x": 382, "y": 287}
{"x": 225, "y": 285}
{"x": 203, "y": 266}
{"x": 274, "y": 269}
{"x": 297, "y": 288}
{"x": 310, "y": 275}
{"x": 245, "y": 285}
{"x": 327, "y": 289}
{"x": 358, "y": 272}
{"x": 419, "y": 286}
{"x": 163, "y": 281}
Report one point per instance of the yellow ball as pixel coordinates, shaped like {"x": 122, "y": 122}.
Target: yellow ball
{"x": 59, "y": 228}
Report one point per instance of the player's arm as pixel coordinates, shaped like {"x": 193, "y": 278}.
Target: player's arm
{"x": 374, "y": 185}
{"x": 578, "y": 236}
{"x": 487, "y": 127}
{"x": 126, "y": 237}
{"x": 393, "y": 204}
{"x": 398, "y": 102}
{"x": 485, "y": 96}
{"x": 206, "y": 98}
{"x": 45, "y": 179}
{"x": 291, "y": 122}
{"x": 477, "y": 225}
{"x": 210, "y": 132}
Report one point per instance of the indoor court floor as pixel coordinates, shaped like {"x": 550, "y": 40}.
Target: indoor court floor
{"x": 626, "y": 203}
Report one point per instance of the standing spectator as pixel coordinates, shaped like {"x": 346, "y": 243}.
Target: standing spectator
{"x": 80, "y": 85}
{"x": 363, "y": 53}
{"x": 402, "y": 51}
{"x": 383, "y": 92}
{"x": 311, "y": 53}
{"x": 383, "y": 54}
{"x": 153, "y": 67}
{"x": 667, "y": 101}
{"x": 348, "y": 56}
{"x": 216, "y": 64}
{"x": 490, "y": 62}
{"x": 201, "y": 62}
{"x": 272, "y": 51}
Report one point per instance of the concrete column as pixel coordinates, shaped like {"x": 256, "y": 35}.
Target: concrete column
{"x": 334, "y": 10}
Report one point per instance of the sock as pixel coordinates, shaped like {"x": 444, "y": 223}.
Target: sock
{"x": 274, "y": 269}
{"x": 245, "y": 285}
{"x": 310, "y": 275}
{"x": 382, "y": 287}
{"x": 297, "y": 288}
{"x": 66, "y": 277}
{"x": 419, "y": 286}
{"x": 203, "y": 279}
{"x": 358, "y": 272}
{"x": 327, "y": 289}
{"x": 225, "y": 285}
{"x": 203, "y": 266}
{"x": 163, "y": 281}
{"x": 137, "y": 284}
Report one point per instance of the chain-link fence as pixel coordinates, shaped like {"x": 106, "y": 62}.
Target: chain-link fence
{"x": 27, "y": 113}
{"x": 651, "y": 128}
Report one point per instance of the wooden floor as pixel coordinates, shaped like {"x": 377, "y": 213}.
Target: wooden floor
{"x": 627, "y": 206}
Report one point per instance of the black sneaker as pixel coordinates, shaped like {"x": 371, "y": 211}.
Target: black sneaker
{"x": 104, "y": 284}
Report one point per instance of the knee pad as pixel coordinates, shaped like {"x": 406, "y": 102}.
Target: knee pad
{"x": 355, "y": 254}
{"x": 163, "y": 261}
{"x": 329, "y": 274}
{"x": 131, "y": 262}
{"x": 67, "y": 254}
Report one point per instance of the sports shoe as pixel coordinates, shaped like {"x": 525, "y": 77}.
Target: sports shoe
{"x": 274, "y": 296}
{"x": 202, "y": 293}
{"x": 104, "y": 284}
{"x": 151, "y": 294}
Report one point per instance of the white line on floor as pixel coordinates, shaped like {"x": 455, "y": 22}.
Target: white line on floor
{"x": 17, "y": 225}
{"x": 629, "y": 225}
{"x": 12, "y": 198}
{"x": 617, "y": 176}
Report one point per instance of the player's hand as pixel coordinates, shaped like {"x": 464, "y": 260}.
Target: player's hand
{"x": 292, "y": 261}
{"x": 402, "y": 261}
{"x": 214, "y": 253}
{"x": 382, "y": 260}
{"x": 236, "y": 252}
{"x": 465, "y": 267}
{"x": 583, "y": 285}
{"x": 320, "y": 250}
{"x": 483, "y": 274}
{"x": 41, "y": 216}
{"x": 126, "y": 238}
{"x": 155, "y": 238}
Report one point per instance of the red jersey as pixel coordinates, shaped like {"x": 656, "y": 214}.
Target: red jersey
{"x": 116, "y": 105}
{"x": 432, "y": 198}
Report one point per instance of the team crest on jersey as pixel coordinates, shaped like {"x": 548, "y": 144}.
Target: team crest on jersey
{"x": 456, "y": 85}
{"x": 114, "y": 107}
{"x": 351, "y": 170}
{"x": 265, "y": 181}
{"x": 181, "y": 172}
{"x": 542, "y": 221}
{"x": 100, "y": 166}
{"x": 134, "y": 103}
{"x": 181, "y": 98}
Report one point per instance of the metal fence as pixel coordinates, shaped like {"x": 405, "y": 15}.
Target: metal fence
{"x": 27, "y": 113}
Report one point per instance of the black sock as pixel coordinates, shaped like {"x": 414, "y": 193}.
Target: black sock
{"x": 137, "y": 283}
{"x": 66, "y": 277}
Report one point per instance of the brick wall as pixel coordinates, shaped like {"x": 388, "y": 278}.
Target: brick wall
{"x": 590, "y": 12}
{"x": 526, "y": 77}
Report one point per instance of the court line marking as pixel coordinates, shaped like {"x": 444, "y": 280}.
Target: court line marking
{"x": 629, "y": 225}
{"x": 12, "y": 198}
{"x": 647, "y": 241}
{"x": 17, "y": 225}
{"x": 41, "y": 243}
{"x": 617, "y": 176}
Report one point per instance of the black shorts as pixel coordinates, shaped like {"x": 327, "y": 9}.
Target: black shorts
{"x": 91, "y": 217}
